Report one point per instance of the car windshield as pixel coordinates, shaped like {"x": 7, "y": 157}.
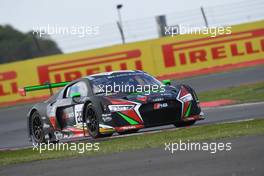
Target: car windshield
{"x": 126, "y": 82}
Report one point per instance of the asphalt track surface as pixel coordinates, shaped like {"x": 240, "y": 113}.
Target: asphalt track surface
{"x": 244, "y": 159}
{"x": 13, "y": 132}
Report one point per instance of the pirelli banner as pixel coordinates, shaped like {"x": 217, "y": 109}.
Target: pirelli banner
{"x": 165, "y": 56}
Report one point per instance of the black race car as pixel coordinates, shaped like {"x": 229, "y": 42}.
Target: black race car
{"x": 102, "y": 104}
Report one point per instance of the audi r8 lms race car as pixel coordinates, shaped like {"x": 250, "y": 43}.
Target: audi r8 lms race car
{"x": 102, "y": 104}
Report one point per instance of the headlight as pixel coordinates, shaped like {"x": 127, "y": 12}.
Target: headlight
{"x": 114, "y": 108}
{"x": 187, "y": 97}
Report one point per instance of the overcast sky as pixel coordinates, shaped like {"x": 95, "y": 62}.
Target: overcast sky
{"x": 25, "y": 14}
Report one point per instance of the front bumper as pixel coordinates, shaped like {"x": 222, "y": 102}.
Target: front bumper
{"x": 104, "y": 129}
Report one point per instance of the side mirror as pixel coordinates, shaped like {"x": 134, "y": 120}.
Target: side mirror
{"x": 167, "y": 82}
{"x": 75, "y": 95}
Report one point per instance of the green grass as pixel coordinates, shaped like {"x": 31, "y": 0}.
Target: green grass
{"x": 241, "y": 94}
{"x": 200, "y": 133}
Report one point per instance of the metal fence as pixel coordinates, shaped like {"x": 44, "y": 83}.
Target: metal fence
{"x": 146, "y": 28}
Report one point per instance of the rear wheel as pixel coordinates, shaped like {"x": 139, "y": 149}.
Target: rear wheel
{"x": 184, "y": 124}
{"x": 36, "y": 125}
{"x": 92, "y": 123}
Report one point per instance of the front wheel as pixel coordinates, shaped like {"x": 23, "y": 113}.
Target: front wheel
{"x": 184, "y": 123}
{"x": 92, "y": 123}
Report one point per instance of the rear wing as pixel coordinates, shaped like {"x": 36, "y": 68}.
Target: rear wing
{"x": 50, "y": 86}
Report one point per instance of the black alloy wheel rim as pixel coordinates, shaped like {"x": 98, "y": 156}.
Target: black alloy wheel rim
{"x": 93, "y": 122}
{"x": 37, "y": 128}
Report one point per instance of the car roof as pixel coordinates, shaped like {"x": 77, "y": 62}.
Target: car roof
{"x": 113, "y": 73}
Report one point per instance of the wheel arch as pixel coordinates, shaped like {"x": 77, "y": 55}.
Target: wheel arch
{"x": 95, "y": 102}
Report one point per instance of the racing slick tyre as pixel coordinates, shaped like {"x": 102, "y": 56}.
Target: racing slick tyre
{"x": 37, "y": 134}
{"x": 128, "y": 132}
{"x": 92, "y": 123}
{"x": 184, "y": 124}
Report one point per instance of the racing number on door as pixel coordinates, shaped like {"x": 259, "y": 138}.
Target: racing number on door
{"x": 78, "y": 113}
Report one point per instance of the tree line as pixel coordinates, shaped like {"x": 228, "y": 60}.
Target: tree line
{"x": 17, "y": 46}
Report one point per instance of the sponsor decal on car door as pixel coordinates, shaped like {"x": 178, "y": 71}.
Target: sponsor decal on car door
{"x": 78, "y": 114}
